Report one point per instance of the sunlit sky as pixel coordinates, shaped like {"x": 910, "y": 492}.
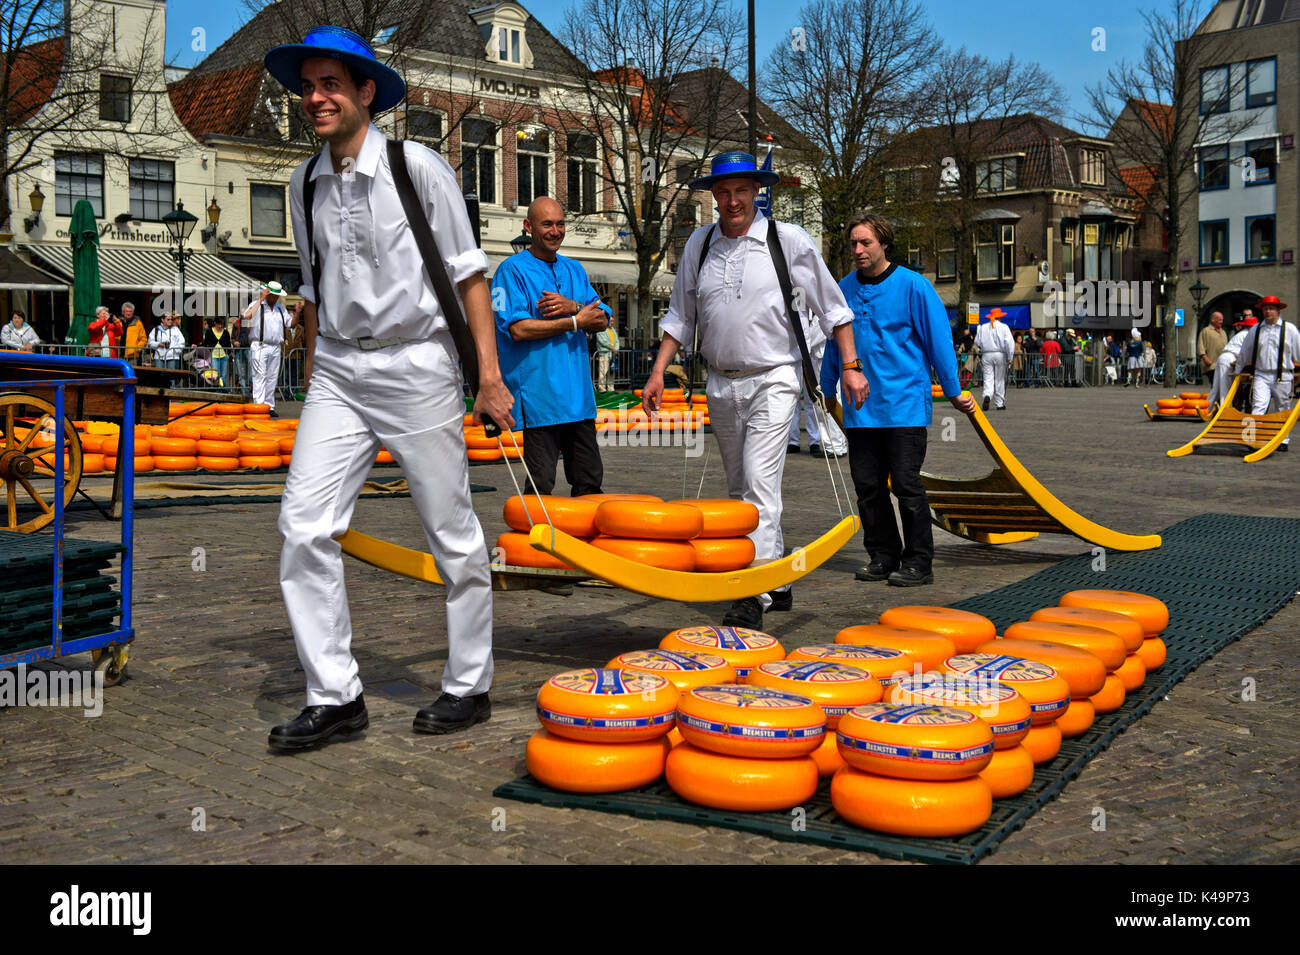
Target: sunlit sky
{"x": 1060, "y": 37}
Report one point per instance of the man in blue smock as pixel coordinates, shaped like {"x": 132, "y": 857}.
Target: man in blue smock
{"x": 901, "y": 331}
{"x": 545, "y": 307}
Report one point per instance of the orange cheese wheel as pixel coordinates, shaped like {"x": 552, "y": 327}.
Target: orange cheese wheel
{"x": 1152, "y": 653}
{"x": 483, "y": 454}
{"x": 752, "y": 721}
{"x": 669, "y": 555}
{"x": 217, "y": 449}
{"x": 1110, "y": 697}
{"x": 1169, "y": 404}
{"x": 907, "y": 807}
{"x": 384, "y": 457}
{"x": 1083, "y": 671}
{"x": 251, "y": 409}
{"x": 931, "y": 649}
{"x": 1043, "y": 688}
{"x": 743, "y": 649}
{"x": 94, "y": 443}
{"x": 1150, "y": 612}
{"x": 838, "y": 688}
{"x": 1078, "y": 718}
{"x": 218, "y": 432}
{"x": 261, "y": 462}
{"x": 1189, "y": 411}
{"x": 1043, "y": 742}
{"x": 649, "y": 520}
{"x": 1192, "y": 394}
{"x": 1102, "y": 644}
{"x": 915, "y": 742}
{"x": 169, "y": 462}
{"x": 157, "y": 431}
{"x": 513, "y": 454}
{"x": 721, "y": 555}
{"x": 737, "y": 783}
{"x": 286, "y": 443}
{"x": 1009, "y": 773}
{"x": 723, "y": 517}
{"x": 229, "y": 409}
{"x": 1005, "y": 710}
{"x": 249, "y": 447}
{"x": 580, "y": 767}
{"x": 884, "y": 663}
{"x": 478, "y": 438}
{"x": 143, "y": 464}
{"x": 827, "y": 757}
{"x": 684, "y": 669}
{"x": 598, "y": 704}
{"x": 966, "y": 630}
{"x": 601, "y": 498}
{"x": 142, "y": 446}
{"x": 1132, "y": 673}
{"x": 92, "y": 463}
{"x": 1126, "y": 628}
{"x": 569, "y": 514}
{"x": 183, "y": 446}
{"x": 217, "y": 463}
{"x": 674, "y": 737}
{"x": 513, "y": 549}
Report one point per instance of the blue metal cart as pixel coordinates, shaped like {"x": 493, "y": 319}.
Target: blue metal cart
{"x": 43, "y": 387}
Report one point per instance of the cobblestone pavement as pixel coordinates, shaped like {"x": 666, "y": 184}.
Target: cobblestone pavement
{"x": 1203, "y": 778}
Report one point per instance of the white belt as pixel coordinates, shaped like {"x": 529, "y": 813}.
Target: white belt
{"x": 744, "y": 374}
{"x": 367, "y": 343}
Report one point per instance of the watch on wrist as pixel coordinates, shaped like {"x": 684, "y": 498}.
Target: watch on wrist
{"x": 855, "y": 365}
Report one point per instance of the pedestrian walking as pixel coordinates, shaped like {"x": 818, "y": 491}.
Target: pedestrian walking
{"x": 996, "y": 349}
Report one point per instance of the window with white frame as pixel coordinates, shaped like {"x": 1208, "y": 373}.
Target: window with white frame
{"x": 946, "y": 257}
{"x": 153, "y": 188}
{"x": 424, "y": 126}
{"x": 266, "y": 210}
{"x": 994, "y": 251}
{"x": 580, "y": 154}
{"x": 1091, "y": 251}
{"x": 1092, "y": 167}
{"x": 508, "y": 45}
{"x": 78, "y": 176}
{"x": 1069, "y": 235}
{"x": 478, "y": 153}
{"x": 533, "y": 166}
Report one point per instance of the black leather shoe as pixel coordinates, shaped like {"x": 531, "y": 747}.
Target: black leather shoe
{"x": 816, "y": 451}
{"x": 316, "y": 724}
{"x": 745, "y": 612}
{"x": 874, "y": 571}
{"x": 986, "y": 402}
{"x": 910, "y": 577}
{"x": 273, "y": 413}
{"x": 781, "y": 599}
{"x": 451, "y": 713}
{"x": 792, "y": 449}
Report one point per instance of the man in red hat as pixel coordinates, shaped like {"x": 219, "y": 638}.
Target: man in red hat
{"x": 1273, "y": 348}
{"x": 1225, "y": 365}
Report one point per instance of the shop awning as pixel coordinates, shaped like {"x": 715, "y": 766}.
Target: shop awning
{"x": 15, "y": 274}
{"x": 151, "y": 269}
{"x": 612, "y": 273}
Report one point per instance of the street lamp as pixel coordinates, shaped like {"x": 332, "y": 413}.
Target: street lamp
{"x": 522, "y": 241}
{"x": 179, "y": 225}
{"x": 37, "y": 201}
{"x": 1198, "y": 294}
{"x": 214, "y": 216}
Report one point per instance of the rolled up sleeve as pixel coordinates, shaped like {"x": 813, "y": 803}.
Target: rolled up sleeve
{"x": 433, "y": 177}
{"x": 822, "y": 295}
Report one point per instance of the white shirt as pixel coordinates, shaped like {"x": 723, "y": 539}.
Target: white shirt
{"x": 167, "y": 343}
{"x": 266, "y": 323}
{"x": 372, "y": 280}
{"x": 19, "y": 339}
{"x": 743, "y": 321}
{"x": 994, "y": 336}
{"x": 1269, "y": 337}
{"x": 1233, "y": 348}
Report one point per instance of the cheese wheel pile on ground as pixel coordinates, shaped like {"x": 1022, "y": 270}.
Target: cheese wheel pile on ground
{"x": 739, "y": 783}
{"x": 928, "y": 647}
{"x": 750, "y": 721}
{"x": 684, "y": 669}
{"x": 1082, "y": 671}
{"x": 1103, "y": 644}
{"x": 1002, "y": 708}
{"x": 1151, "y": 612}
{"x": 744, "y": 649}
{"x": 966, "y": 630}
{"x": 480, "y": 448}
{"x": 1044, "y": 690}
{"x": 884, "y": 663}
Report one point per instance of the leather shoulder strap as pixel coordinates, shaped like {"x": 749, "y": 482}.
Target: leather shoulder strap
{"x": 308, "y": 200}
{"x": 787, "y": 291}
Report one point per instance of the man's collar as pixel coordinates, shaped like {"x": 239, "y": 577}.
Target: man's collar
{"x": 367, "y": 159}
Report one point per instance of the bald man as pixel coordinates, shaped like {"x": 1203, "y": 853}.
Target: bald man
{"x": 545, "y": 309}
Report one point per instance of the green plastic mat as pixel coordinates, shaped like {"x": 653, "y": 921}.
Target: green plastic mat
{"x": 89, "y": 624}
{"x": 1221, "y": 576}
{"x": 17, "y": 550}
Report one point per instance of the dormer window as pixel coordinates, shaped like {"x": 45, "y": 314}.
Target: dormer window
{"x": 503, "y": 27}
{"x": 509, "y": 45}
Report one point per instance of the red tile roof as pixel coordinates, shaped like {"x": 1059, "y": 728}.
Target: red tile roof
{"x": 218, "y": 102}
{"x": 33, "y": 76}
{"x": 1141, "y": 181}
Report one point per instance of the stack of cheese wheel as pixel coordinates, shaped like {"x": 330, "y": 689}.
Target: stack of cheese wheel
{"x": 258, "y": 451}
{"x": 884, "y": 663}
{"x": 142, "y": 443}
{"x": 838, "y": 688}
{"x": 1046, "y": 692}
{"x": 722, "y": 544}
{"x": 217, "y": 445}
{"x": 603, "y": 730}
{"x": 572, "y": 515}
{"x": 930, "y": 649}
{"x": 684, "y": 669}
{"x": 913, "y": 770}
{"x": 1103, "y": 644}
{"x": 747, "y": 748}
{"x": 1133, "y": 671}
{"x": 649, "y": 532}
{"x": 479, "y": 447}
{"x": 1146, "y": 610}
{"x": 1082, "y": 671}
{"x": 174, "y": 454}
{"x": 1187, "y": 403}
{"x": 743, "y": 649}
{"x": 966, "y": 630}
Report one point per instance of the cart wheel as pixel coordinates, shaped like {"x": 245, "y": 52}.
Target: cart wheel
{"x": 19, "y": 460}
{"x": 111, "y": 662}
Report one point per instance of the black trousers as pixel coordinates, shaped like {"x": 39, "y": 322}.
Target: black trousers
{"x": 576, "y": 440}
{"x": 877, "y": 457}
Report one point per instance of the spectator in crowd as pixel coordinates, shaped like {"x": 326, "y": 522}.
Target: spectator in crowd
{"x": 105, "y": 333}
{"x": 1018, "y": 360}
{"x": 1052, "y": 357}
{"x": 1148, "y": 362}
{"x": 217, "y": 340}
{"x": 606, "y": 349}
{"x": 168, "y": 342}
{"x": 1210, "y": 344}
{"x": 17, "y": 335}
{"x": 136, "y": 334}
{"x": 1134, "y": 353}
{"x": 295, "y": 347}
{"x": 1225, "y": 366}
{"x": 1033, "y": 346}
{"x": 1072, "y": 359}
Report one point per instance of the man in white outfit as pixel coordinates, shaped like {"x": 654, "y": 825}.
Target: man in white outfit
{"x": 1273, "y": 349}
{"x": 1225, "y": 364}
{"x": 266, "y": 320}
{"x": 754, "y": 357}
{"x": 832, "y": 442}
{"x": 996, "y": 348}
{"x": 381, "y": 367}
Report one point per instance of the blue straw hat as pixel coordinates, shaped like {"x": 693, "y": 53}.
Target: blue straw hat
{"x": 335, "y": 43}
{"x": 735, "y": 166}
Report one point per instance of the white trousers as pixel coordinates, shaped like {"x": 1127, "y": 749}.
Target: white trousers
{"x": 264, "y": 370}
{"x": 1266, "y": 387}
{"x": 409, "y": 398}
{"x": 994, "y": 366}
{"x": 808, "y": 412}
{"x": 751, "y": 421}
{"x": 1223, "y": 369}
